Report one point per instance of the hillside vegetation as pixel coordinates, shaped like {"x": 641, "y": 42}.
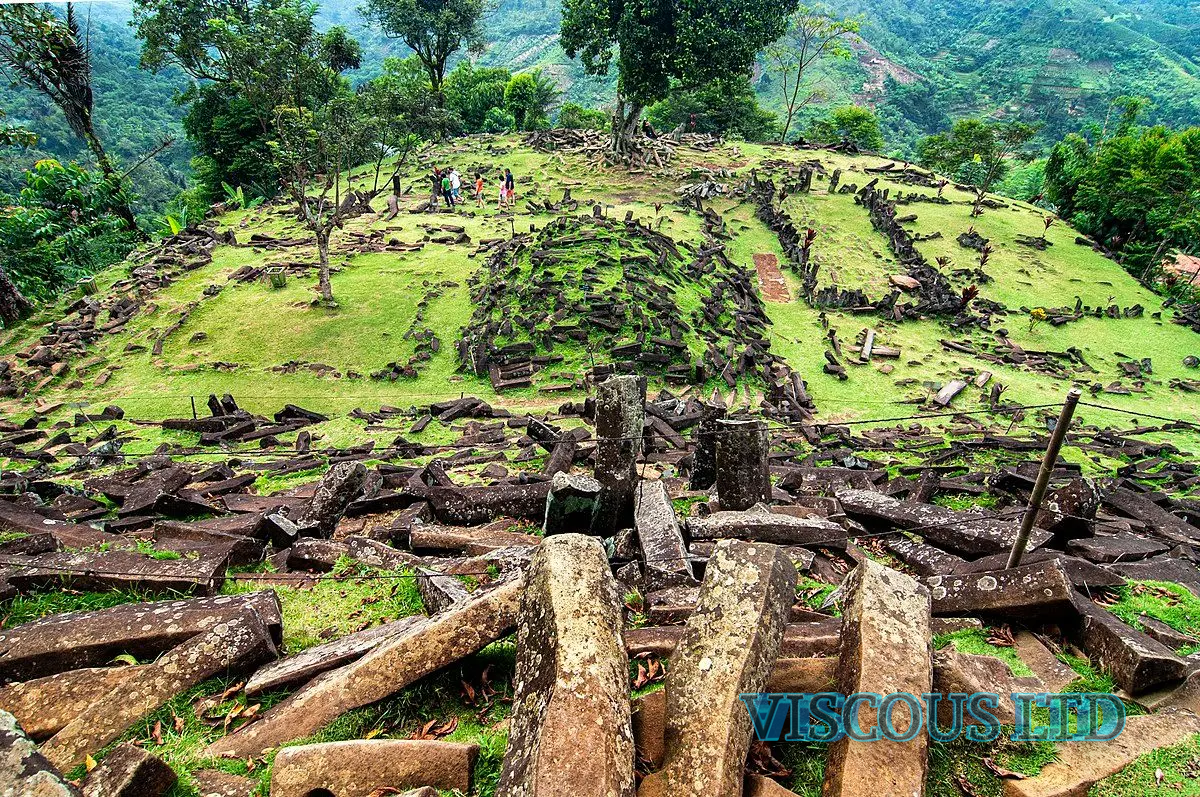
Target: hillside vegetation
{"x": 221, "y": 328}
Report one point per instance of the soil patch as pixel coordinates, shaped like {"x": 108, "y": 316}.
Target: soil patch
{"x": 770, "y": 279}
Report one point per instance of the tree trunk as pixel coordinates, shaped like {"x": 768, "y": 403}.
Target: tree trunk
{"x": 625, "y": 125}
{"x": 121, "y": 209}
{"x": 13, "y": 304}
{"x": 323, "y": 279}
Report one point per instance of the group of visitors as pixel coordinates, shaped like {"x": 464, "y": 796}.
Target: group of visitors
{"x": 447, "y": 185}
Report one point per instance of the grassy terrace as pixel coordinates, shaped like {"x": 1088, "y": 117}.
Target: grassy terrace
{"x": 257, "y": 330}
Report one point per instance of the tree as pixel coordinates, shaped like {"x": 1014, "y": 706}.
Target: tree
{"x": 851, "y": 124}
{"x": 1138, "y": 193}
{"x": 49, "y": 55}
{"x": 528, "y": 97}
{"x": 314, "y": 152}
{"x": 404, "y": 89}
{"x": 243, "y": 55}
{"x": 64, "y": 225}
{"x": 813, "y": 33}
{"x": 394, "y": 116}
{"x": 434, "y": 29}
{"x": 573, "y": 116}
{"x": 977, "y": 152}
{"x": 726, "y": 106}
{"x": 499, "y": 120}
{"x": 15, "y": 136}
{"x": 249, "y": 47}
{"x": 473, "y": 91}
{"x": 656, "y": 42}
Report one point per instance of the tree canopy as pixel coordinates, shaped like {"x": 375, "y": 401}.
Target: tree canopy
{"x": 660, "y": 43}
{"x": 434, "y": 29}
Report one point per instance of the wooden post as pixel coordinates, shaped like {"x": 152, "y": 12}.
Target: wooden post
{"x": 1043, "y": 478}
{"x": 193, "y": 398}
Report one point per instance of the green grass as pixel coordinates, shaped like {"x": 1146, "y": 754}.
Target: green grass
{"x": 1166, "y": 602}
{"x": 26, "y": 608}
{"x": 974, "y": 641}
{"x": 357, "y": 597}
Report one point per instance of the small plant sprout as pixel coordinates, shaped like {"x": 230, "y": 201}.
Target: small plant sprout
{"x": 1047, "y": 223}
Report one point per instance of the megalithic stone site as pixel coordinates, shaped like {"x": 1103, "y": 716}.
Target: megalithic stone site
{"x": 594, "y": 399}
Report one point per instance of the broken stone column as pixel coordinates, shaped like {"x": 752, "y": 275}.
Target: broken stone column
{"x": 91, "y": 639}
{"x": 340, "y": 485}
{"x": 21, "y": 765}
{"x": 704, "y": 455}
{"x": 1079, "y": 765}
{"x": 743, "y": 477}
{"x": 372, "y": 766}
{"x": 729, "y": 646}
{"x": 129, "y": 771}
{"x": 885, "y": 648}
{"x": 571, "y": 504}
{"x": 663, "y": 552}
{"x": 44, "y": 706}
{"x": 1070, "y": 511}
{"x": 228, "y": 647}
{"x": 570, "y": 731}
{"x": 423, "y": 648}
{"x": 1037, "y": 590}
{"x": 1136, "y": 662}
{"x": 620, "y": 424}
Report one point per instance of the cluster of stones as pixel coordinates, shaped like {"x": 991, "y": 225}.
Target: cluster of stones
{"x": 535, "y": 294}
{"x": 717, "y": 587}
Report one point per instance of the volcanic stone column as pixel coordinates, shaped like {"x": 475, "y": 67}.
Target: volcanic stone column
{"x": 571, "y": 732}
{"x": 728, "y": 648}
{"x": 743, "y": 478}
{"x": 704, "y": 456}
{"x": 620, "y": 422}
{"x": 885, "y": 649}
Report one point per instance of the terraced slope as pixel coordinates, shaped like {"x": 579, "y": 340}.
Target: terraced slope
{"x": 626, "y": 271}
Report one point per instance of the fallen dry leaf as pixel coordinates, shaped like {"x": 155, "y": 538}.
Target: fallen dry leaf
{"x": 435, "y": 730}
{"x": 966, "y": 786}
{"x": 1001, "y": 772}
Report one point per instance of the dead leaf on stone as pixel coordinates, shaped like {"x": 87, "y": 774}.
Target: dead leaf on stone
{"x": 1001, "y": 636}
{"x": 382, "y": 790}
{"x": 89, "y": 763}
{"x": 1000, "y": 771}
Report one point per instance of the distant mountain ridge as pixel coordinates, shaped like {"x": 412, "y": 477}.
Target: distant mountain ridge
{"x": 920, "y": 63}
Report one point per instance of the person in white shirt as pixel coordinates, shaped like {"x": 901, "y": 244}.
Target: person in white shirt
{"x": 456, "y": 186}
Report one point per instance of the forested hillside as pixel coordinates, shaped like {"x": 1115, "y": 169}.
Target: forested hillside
{"x": 920, "y": 64}
{"x": 135, "y": 110}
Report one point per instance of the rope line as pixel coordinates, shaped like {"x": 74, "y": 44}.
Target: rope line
{"x": 392, "y": 451}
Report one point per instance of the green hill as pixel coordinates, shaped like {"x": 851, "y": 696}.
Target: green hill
{"x": 651, "y": 285}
